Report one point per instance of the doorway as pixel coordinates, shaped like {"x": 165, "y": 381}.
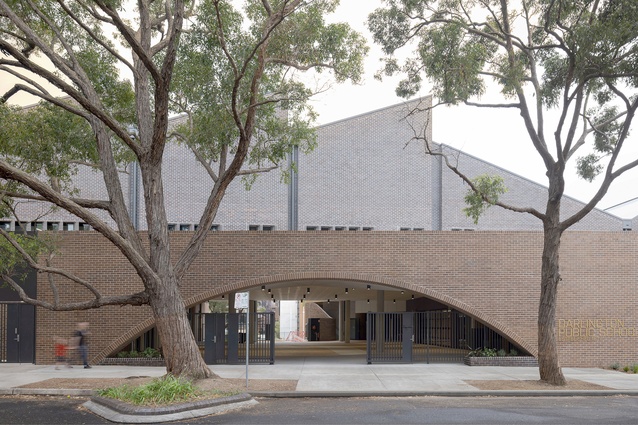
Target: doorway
{"x": 17, "y": 333}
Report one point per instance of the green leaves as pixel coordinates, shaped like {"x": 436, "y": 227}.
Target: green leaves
{"x": 485, "y": 193}
{"x": 214, "y": 62}
{"x": 452, "y": 59}
{"x": 33, "y": 245}
{"x": 447, "y": 51}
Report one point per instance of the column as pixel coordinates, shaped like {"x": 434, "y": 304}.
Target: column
{"x": 347, "y": 321}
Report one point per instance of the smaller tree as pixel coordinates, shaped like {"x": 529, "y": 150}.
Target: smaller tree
{"x": 577, "y": 59}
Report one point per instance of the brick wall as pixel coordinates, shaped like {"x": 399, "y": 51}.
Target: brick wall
{"x": 493, "y": 276}
{"x": 364, "y": 173}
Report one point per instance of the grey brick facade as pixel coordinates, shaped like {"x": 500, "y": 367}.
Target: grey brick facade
{"x": 367, "y": 172}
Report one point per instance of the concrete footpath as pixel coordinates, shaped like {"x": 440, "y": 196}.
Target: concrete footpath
{"x": 319, "y": 378}
{"x": 326, "y": 377}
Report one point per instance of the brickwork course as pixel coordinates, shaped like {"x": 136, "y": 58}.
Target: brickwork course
{"x": 493, "y": 276}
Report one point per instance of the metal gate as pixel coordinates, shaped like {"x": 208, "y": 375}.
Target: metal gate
{"x": 225, "y": 338}
{"x": 389, "y": 337}
{"x": 441, "y": 337}
{"x": 444, "y": 336}
{"x": 17, "y": 333}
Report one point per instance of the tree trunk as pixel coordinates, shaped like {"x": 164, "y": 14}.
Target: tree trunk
{"x": 548, "y": 364}
{"x": 179, "y": 348}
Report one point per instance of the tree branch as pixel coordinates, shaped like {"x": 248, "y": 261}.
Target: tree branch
{"x": 137, "y": 299}
{"x": 83, "y": 202}
{"x": 97, "y": 39}
{"x": 136, "y": 257}
{"x": 131, "y": 39}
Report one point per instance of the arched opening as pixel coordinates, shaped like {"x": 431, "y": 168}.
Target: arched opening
{"x": 330, "y": 316}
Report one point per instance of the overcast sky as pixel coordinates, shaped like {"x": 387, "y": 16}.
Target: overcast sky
{"x": 496, "y": 136}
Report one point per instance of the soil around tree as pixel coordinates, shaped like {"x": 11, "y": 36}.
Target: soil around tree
{"x": 239, "y": 385}
{"x": 206, "y": 385}
{"x": 534, "y": 385}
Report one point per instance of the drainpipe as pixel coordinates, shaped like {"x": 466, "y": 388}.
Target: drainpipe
{"x": 293, "y": 190}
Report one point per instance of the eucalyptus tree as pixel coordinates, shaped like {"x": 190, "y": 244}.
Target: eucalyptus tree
{"x": 123, "y": 67}
{"x": 574, "y": 59}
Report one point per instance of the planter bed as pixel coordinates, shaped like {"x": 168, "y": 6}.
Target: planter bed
{"x": 519, "y": 361}
{"x": 132, "y": 361}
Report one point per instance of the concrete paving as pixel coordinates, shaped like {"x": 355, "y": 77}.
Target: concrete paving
{"x": 334, "y": 376}
{"x": 316, "y": 377}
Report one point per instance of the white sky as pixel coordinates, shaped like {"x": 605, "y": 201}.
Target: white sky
{"x": 496, "y": 136}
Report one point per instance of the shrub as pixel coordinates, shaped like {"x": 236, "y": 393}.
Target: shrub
{"x": 161, "y": 391}
{"x": 501, "y": 353}
{"x": 513, "y": 352}
{"x": 483, "y": 352}
{"x": 167, "y": 389}
{"x": 626, "y": 368}
{"x": 150, "y": 352}
{"x": 615, "y": 366}
{"x": 635, "y": 368}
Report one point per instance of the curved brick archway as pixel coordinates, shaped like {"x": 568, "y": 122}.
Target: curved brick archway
{"x": 296, "y": 278}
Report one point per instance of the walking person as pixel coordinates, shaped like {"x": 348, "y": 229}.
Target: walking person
{"x": 81, "y": 335}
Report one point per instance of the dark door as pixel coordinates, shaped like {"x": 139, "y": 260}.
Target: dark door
{"x": 20, "y": 333}
{"x": 215, "y": 338}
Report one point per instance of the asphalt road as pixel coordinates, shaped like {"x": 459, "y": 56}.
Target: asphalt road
{"x": 404, "y": 410}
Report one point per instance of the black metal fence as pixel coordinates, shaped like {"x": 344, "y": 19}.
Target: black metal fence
{"x": 444, "y": 336}
{"x": 226, "y": 334}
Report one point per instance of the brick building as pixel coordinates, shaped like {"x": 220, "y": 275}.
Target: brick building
{"x": 384, "y": 213}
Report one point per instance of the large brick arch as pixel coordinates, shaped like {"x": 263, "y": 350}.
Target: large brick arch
{"x": 335, "y": 276}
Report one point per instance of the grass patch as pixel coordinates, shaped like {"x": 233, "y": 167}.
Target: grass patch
{"x": 161, "y": 391}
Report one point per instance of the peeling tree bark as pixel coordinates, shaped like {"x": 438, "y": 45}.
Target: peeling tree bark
{"x": 548, "y": 364}
{"x": 180, "y": 351}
